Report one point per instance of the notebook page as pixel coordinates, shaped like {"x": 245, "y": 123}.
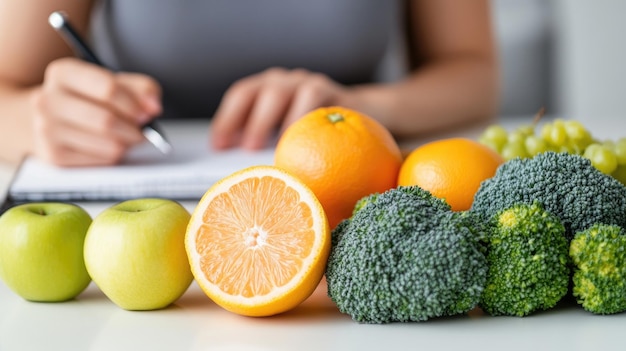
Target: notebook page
{"x": 185, "y": 174}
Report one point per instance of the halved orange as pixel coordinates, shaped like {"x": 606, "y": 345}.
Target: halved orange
{"x": 258, "y": 241}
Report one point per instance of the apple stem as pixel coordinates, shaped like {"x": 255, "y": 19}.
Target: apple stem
{"x": 40, "y": 211}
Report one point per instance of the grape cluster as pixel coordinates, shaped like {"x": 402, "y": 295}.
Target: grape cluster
{"x": 558, "y": 135}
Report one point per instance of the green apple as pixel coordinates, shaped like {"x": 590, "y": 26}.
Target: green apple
{"x": 41, "y": 250}
{"x": 135, "y": 253}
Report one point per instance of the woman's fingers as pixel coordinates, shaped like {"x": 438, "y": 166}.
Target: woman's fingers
{"x": 59, "y": 109}
{"x": 270, "y": 106}
{"x": 86, "y": 115}
{"x": 233, "y": 112}
{"x": 254, "y": 108}
{"x": 317, "y": 91}
{"x": 145, "y": 90}
{"x": 56, "y": 143}
{"x": 96, "y": 84}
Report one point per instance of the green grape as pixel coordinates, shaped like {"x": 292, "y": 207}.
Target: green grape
{"x": 620, "y": 151}
{"x": 557, "y": 136}
{"x": 601, "y": 157}
{"x": 566, "y": 147}
{"x": 513, "y": 150}
{"x": 516, "y": 137}
{"x": 535, "y": 145}
{"x": 490, "y": 144}
{"x": 494, "y": 136}
{"x": 526, "y": 130}
{"x": 577, "y": 133}
{"x": 573, "y": 148}
{"x": 546, "y": 131}
{"x": 609, "y": 144}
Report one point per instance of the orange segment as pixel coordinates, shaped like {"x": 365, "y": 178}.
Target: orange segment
{"x": 258, "y": 242}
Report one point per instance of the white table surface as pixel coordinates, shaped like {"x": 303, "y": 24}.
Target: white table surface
{"x": 92, "y": 322}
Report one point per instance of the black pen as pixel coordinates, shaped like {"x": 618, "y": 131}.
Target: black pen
{"x": 58, "y": 20}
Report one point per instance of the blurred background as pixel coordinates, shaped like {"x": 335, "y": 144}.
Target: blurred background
{"x": 566, "y": 55}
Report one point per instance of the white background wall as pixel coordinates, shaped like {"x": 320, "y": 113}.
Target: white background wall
{"x": 569, "y": 55}
{"x": 590, "y": 60}
{"x": 523, "y": 30}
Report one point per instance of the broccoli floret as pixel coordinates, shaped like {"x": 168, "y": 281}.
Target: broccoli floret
{"x": 422, "y": 199}
{"x": 476, "y": 225}
{"x": 527, "y": 254}
{"x": 567, "y": 186}
{"x": 599, "y": 256}
{"x": 404, "y": 256}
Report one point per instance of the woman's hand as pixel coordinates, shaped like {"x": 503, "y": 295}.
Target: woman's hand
{"x": 87, "y": 115}
{"x": 255, "y": 107}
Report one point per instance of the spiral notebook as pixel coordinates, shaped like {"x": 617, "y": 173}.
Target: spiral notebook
{"x": 185, "y": 174}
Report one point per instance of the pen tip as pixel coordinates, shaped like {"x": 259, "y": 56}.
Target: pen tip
{"x": 164, "y": 147}
{"x": 57, "y": 19}
{"x": 157, "y": 140}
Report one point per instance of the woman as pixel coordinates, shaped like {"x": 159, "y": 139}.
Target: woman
{"x": 254, "y": 67}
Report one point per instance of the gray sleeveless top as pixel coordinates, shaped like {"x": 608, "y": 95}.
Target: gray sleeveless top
{"x": 197, "y": 49}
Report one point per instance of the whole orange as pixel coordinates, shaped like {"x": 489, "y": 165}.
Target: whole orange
{"x": 342, "y": 155}
{"x": 451, "y": 169}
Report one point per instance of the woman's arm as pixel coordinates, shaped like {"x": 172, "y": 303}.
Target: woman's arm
{"x": 453, "y": 83}
{"x": 454, "y": 79}
{"x": 59, "y": 108}
{"x": 28, "y": 45}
